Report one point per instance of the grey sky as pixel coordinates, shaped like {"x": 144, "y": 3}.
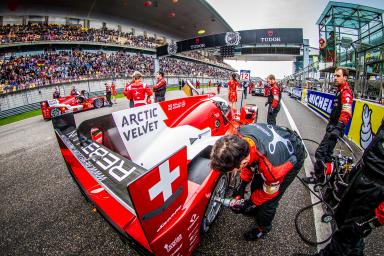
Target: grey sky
{"x": 255, "y": 14}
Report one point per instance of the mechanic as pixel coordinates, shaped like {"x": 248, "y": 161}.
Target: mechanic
{"x": 108, "y": 94}
{"x": 274, "y": 98}
{"x": 74, "y": 92}
{"x": 361, "y": 208}
{"x": 160, "y": 88}
{"x": 56, "y": 93}
{"x": 339, "y": 118}
{"x": 270, "y": 156}
{"x": 137, "y": 91}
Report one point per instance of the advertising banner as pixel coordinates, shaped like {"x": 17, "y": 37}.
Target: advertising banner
{"x": 366, "y": 119}
{"x": 320, "y": 102}
{"x": 296, "y": 92}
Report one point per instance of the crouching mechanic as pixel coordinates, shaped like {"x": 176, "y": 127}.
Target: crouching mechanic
{"x": 361, "y": 208}
{"x": 138, "y": 92}
{"x": 270, "y": 156}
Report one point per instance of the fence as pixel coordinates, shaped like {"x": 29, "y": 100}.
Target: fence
{"x": 28, "y": 100}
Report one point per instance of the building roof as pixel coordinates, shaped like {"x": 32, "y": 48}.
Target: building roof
{"x": 348, "y": 15}
{"x": 179, "y": 20}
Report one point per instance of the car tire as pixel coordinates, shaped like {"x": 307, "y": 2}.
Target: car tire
{"x": 55, "y": 112}
{"x": 98, "y": 103}
{"x": 214, "y": 207}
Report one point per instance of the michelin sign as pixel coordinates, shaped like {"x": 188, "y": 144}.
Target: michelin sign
{"x": 320, "y": 102}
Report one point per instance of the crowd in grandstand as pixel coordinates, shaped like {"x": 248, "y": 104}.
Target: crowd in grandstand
{"x": 19, "y": 73}
{"x": 41, "y": 32}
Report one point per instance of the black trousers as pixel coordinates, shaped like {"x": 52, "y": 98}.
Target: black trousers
{"x": 362, "y": 197}
{"x": 272, "y": 114}
{"x": 265, "y": 213}
{"x": 324, "y": 153}
{"x": 108, "y": 96}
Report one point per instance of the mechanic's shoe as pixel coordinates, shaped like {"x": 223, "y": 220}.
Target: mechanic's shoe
{"x": 313, "y": 180}
{"x": 254, "y": 234}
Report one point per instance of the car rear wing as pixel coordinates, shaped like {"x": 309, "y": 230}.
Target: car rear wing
{"x": 112, "y": 171}
{"x": 155, "y": 197}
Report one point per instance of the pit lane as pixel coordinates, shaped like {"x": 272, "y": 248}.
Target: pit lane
{"x": 43, "y": 212}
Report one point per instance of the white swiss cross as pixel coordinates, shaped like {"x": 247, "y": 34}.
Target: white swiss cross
{"x": 165, "y": 184}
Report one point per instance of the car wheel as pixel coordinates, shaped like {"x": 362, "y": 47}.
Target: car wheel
{"x": 55, "y": 112}
{"x": 214, "y": 207}
{"x": 98, "y": 103}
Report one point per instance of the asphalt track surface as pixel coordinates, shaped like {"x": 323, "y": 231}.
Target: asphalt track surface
{"x": 42, "y": 211}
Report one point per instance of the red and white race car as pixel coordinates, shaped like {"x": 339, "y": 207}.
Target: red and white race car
{"x": 56, "y": 107}
{"x": 146, "y": 169}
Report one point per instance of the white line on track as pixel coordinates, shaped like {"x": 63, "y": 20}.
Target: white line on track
{"x": 323, "y": 230}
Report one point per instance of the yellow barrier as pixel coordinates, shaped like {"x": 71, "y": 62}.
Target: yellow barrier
{"x": 366, "y": 120}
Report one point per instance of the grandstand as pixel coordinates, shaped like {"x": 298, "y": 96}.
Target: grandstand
{"x": 38, "y": 52}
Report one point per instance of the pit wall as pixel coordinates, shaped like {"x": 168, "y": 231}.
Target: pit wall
{"x": 366, "y": 116}
{"x": 33, "y": 96}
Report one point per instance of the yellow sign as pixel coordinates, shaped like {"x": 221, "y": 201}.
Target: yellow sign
{"x": 304, "y": 96}
{"x": 366, "y": 120}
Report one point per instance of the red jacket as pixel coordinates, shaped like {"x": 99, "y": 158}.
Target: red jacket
{"x": 275, "y": 95}
{"x": 346, "y": 103}
{"x": 273, "y": 166}
{"x": 138, "y": 92}
{"x": 161, "y": 84}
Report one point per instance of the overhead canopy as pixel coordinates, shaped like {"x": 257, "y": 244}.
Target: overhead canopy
{"x": 348, "y": 15}
{"x": 181, "y": 19}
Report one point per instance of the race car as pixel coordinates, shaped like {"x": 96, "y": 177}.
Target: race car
{"x": 257, "y": 91}
{"x": 56, "y": 107}
{"x": 146, "y": 169}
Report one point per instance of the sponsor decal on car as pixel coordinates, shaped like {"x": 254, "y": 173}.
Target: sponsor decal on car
{"x": 170, "y": 246}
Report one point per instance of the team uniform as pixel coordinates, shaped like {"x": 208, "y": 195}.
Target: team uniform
{"x": 339, "y": 118}
{"x": 274, "y": 98}
{"x": 160, "y": 89}
{"x": 232, "y": 87}
{"x": 276, "y": 156}
{"x": 138, "y": 92}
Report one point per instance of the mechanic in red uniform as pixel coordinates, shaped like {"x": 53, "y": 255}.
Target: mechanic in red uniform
{"x": 250, "y": 87}
{"x": 269, "y": 156}
{"x": 339, "y": 118}
{"x": 361, "y": 208}
{"x": 233, "y": 84}
{"x": 160, "y": 88}
{"x": 274, "y": 98}
{"x": 138, "y": 91}
{"x": 114, "y": 93}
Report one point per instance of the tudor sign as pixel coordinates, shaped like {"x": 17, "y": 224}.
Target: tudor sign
{"x": 270, "y": 38}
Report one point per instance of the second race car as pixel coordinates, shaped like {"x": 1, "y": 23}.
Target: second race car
{"x": 56, "y": 107}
